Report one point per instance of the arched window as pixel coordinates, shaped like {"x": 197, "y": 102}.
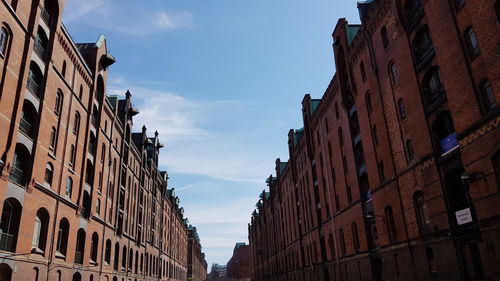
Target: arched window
{"x": 28, "y": 120}
{"x": 413, "y": 12}
{"x": 393, "y": 71}
{"x": 62, "y": 237}
{"x": 80, "y": 246}
{"x": 409, "y": 150}
{"x": 124, "y": 258}
{"x": 89, "y": 173}
{"x": 40, "y": 230}
{"x": 107, "y": 252}
{"x": 69, "y": 187}
{"x": 331, "y": 244}
{"x": 95, "y": 116}
{"x": 76, "y": 124}
{"x": 422, "y": 46}
{"x": 130, "y": 259}
{"x": 63, "y": 69}
{"x": 471, "y": 40}
{"x": 35, "y": 78}
{"x": 390, "y": 224}
{"x": 433, "y": 88}
{"x": 362, "y": 70}
{"x": 4, "y": 40}
{"x": 85, "y": 211}
{"x": 37, "y": 273}
{"x": 385, "y": 37}
{"x": 53, "y": 138}
{"x": 49, "y": 174}
{"x": 369, "y": 104}
{"x": 103, "y": 153}
{"x": 401, "y": 109}
{"x": 355, "y": 237}
{"x": 342, "y": 242}
{"x": 19, "y": 171}
{"x": 359, "y": 155}
{"x": 444, "y": 132}
{"x": 94, "y": 246}
{"x": 77, "y": 277}
{"x": 117, "y": 256}
{"x": 92, "y": 144}
{"x": 487, "y": 96}
{"x": 58, "y": 104}
{"x": 41, "y": 44}
{"x": 420, "y": 210}
{"x": 9, "y": 226}
{"x": 354, "y": 125}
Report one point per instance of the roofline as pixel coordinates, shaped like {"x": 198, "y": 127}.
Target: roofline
{"x": 72, "y": 42}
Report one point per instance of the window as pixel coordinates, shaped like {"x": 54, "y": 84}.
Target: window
{"x": 349, "y": 194}
{"x": 98, "y": 207}
{"x": 332, "y": 245}
{"x": 40, "y": 231}
{"x": 35, "y": 77}
{"x": 103, "y": 153}
{"x": 375, "y": 135}
{"x": 369, "y": 104}
{"x": 390, "y": 224}
{"x": 86, "y": 205}
{"x": 124, "y": 258}
{"x": 63, "y": 69}
{"x": 80, "y": 246}
{"x": 394, "y": 74}
{"x": 459, "y": 4}
{"x": 59, "y": 102}
{"x": 381, "y": 171}
{"x": 433, "y": 88}
{"x": 41, "y": 43}
{"x": 336, "y": 111}
{"x": 52, "y": 141}
{"x": 327, "y": 128}
{"x": 413, "y": 12}
{"x": 363, "y": 71}
{"x": 49, "y": 173}
{"x": 19, "y": 171}
{"x": 401, "y": 109}
{"x": 472, "y": 44}
{"x": 385, "y": 37}
{"x": 117, "y": 256}
{"x": 72, "y": 156}
{"x": 355, "y": 237}
{"x": 76, "y": 124}
{"x": 62, "y": 237}
{"x": 94, "y": 243}
{"x": 28, "y": 120}
{"x": 487, "y": 96}
{"x": 409, "y": 150}
{"x": 92, "y": 144}
{"x": 4, "y": 40}
{"x": 69, "y": 187}
{"x": 107, "y": 252}
{"x": 342, "y": 242}
{"x": 422, "y": 46}
{"x": 341, "y": 137}
{"x": 80, "y": 93}
{"x": 497, "y": 9}
{"x": 420, "y": 210}
{"x": 9, "y": 226}
{"x": 496, "y": 166}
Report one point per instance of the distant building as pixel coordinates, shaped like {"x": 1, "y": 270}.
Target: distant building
{"x": 239, "y": 265}
{"x": 218, "y": 271}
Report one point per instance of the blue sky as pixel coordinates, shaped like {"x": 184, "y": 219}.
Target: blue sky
{"x": 222, "y": 82}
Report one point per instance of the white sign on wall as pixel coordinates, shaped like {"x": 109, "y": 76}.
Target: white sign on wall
{"x": 463, "y": 216}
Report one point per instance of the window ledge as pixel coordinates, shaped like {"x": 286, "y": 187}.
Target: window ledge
{"x": 60, "y": 255}
{"x": 51, "y": 153}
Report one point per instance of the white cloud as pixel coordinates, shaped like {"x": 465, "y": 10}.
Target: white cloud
{"x": 78, "y": 9}
{"x": 171, "y": 21}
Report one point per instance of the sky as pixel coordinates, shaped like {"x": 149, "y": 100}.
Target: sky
{"x": 222, "y": 82}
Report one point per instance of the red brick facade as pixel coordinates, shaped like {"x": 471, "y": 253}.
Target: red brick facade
{"x": 239, "y": 266}
{"x": 395, "y": 175}
{"x": 196, "y": 263}
{"x": 81, "y": 195}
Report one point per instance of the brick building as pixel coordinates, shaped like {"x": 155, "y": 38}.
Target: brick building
{"x": 239, "y": 266}
{"x": 196, "y": 263}
{"x": 81, "y": 194}
{"x": 395, "y": 174}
